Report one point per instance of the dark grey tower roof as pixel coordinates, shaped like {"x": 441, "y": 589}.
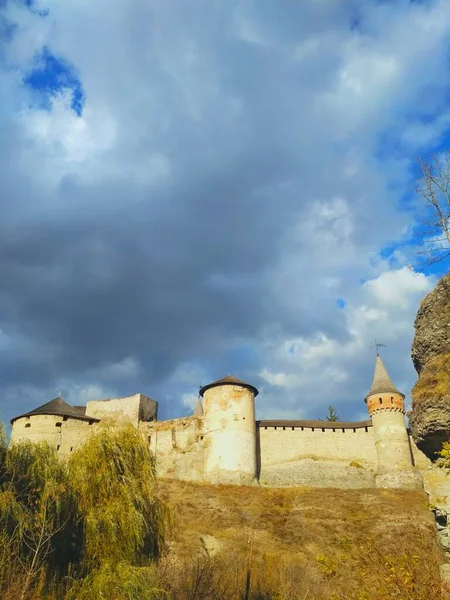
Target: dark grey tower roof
{"x": 57, "y": 407}
{"x": 228, "y": 380}
{"x": 382, "y": 383}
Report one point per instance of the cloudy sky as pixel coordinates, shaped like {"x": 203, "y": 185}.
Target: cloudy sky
{"x": 193, "y": 188}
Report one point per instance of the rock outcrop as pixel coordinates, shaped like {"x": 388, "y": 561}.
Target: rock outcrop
{"x": 430, "y": 415}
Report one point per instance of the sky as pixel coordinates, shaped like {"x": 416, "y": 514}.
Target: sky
{"x": 196, "y": 188}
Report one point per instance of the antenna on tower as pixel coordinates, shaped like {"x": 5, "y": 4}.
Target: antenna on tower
{"x": 378, "y": 346}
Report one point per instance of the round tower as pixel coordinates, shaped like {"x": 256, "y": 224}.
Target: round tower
{"x": 386, "y": 408}
{"x": 230, "y": 431}
{"x": 62, "y": 426}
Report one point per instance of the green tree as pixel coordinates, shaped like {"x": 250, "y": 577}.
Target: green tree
{"x": 86, "y": 527}
{"x": 444, "y": 456}
{"x": 124, "y": 522}
{"x": 3, "y": 448}
{"x": 36, "y": 506}
{"x": 332, "y": 414}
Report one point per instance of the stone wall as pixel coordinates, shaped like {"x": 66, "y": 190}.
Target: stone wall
{"x": 179, "y": 447}
{"x": 437, "y": 486}
{"x": 420, "y": 460}
{"x": 134, "y": 408}
{"x": 317, "y": 457}
{"x": 337, "y": 455}
{"x": 286, "y": 456}
{"x": 344, "y": 458}
{"x": 64, "y": 434}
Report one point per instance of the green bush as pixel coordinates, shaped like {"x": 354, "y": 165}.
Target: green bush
{"x": 80, "y": 528}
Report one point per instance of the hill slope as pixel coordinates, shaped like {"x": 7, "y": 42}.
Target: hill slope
{"x": 307, "y": 543}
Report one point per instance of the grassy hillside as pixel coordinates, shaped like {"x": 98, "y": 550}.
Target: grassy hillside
{"x": 100, "y": 526}
{"x": 307, "y": 543}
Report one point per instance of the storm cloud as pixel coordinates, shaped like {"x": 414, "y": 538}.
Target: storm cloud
{"x": 190, "y": 189}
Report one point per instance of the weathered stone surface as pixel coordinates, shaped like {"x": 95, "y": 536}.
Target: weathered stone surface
{"x": 211, "y": 544}
{"x": 432, "y": 325}
{"x": 445, "y": 573}
{"x": 411, "y": 480}
{"x": 444, "y": 539}
{"x": 437, "y": 485}
{"x": 430, "y": 415}
{"x": 430, "y": 424}
{"x": 227, "y": 446}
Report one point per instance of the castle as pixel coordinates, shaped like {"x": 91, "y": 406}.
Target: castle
{"x": 222, "y": 443}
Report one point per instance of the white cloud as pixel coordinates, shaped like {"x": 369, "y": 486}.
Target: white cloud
{"x": 318, "y": 370}
{"x": 189, "y": 400}
{"x": 398, "y": 289}
{"x": 224, "y": 185}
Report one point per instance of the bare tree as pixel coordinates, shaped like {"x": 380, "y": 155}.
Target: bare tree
{"x": 41, "y": 528}
{"x": 434, "y": 187}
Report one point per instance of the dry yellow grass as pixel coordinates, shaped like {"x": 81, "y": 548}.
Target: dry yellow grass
{"x": 434, "y": 380}
{"x": 308, "y": 543}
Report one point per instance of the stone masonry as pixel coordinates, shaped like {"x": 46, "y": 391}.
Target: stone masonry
{"x": 222, "y": 443}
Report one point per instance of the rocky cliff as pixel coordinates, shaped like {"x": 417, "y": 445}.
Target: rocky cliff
{"x": 430, "y": 415}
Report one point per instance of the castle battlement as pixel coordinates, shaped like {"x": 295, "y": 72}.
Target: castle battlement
{"x": 223, "y": 443}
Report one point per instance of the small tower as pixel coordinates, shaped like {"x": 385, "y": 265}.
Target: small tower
{"x": 198, "y": 409}
{"x": 60, "y": 425}
{"x": 230, "y": 431}
{"x": 387, "y": 409}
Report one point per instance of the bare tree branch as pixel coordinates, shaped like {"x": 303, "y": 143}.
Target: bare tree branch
{"x": 434, "y": 187}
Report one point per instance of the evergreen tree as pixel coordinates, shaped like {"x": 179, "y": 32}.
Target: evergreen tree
{"x": 332, "y": 414}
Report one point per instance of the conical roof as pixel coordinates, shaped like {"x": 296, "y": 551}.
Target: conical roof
{"x": 57, "y": 407}
{"x": 229, "y": 380}
{"x": 198, "y": 410}
{"x": 382, "y": 383}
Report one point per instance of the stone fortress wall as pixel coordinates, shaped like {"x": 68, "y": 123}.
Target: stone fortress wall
{"x": 298, "y": 454}
{"x": 179, "y": 446}
{"x": 322, "y": 454}
{"x": 64, "y": 435}
{"x": 67, "y": 427}
{"x": 223, "y": 444}
{"x": 318, "y": 454}
{"x": 136, "y": 408}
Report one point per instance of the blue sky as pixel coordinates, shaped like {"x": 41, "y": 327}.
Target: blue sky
{"x": 52, "y": 75}
{"x": 191, "y": 189}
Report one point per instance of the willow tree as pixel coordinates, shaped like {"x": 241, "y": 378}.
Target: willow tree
{"x": 88, "y": 527}
{"x": 124, "y": 522}
{"x": 3, "y": 448}
{"x": 37, "y": 511}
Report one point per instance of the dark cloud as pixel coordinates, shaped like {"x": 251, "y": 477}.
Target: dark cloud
{"x": 217, "y": 195}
